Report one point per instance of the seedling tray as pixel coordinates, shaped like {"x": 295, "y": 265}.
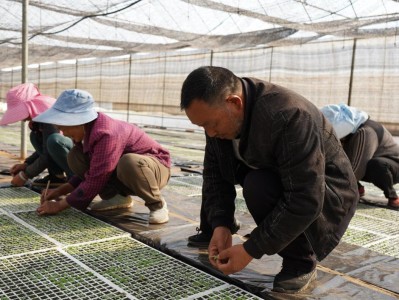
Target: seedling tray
{"x": 72, "y": 255}
{"x": 369, "y": 223}
{"x": 17, "y": 239}
{"x": 17, "y": 199}
{"x": 186, "y": 186}
{"x": 388, "y": 247}
{"x": 378, "y": 212}
{"x": 360, "y": 238}
{"x": 374, "y": 228}
{"x": 147, "y": 273}
{"x": 191, "y": 186}
{"x": 51, "y": 275}
{"x": 71, "y": 226}
{"x": 189, "y": 180}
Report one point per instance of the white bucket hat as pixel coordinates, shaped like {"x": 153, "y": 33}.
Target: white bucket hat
{"x": 73, "y": 107}
{"x": 344, "y": 119}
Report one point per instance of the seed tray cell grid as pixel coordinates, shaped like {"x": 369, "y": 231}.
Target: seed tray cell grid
{"x": 146, "y": 272}
{"x": 378, "y": 212}
{"x": 373, "y": 225}
{"x": 183, "y": 188}
{"x": 182, "y": 154}
{"x": 371, "y": 189}
{"x": 18, "y": 199}
{"x": 192, "y": 186}
{"x": 240, "y": 201}
{"x": 230, "y": 293}
{"x": 51, "y": 275}
{"x": 190, "y": 180}
{"x": 16, "y": 239}
{"x": 360, "y": 238}
{"x": 71, "y": 226}
{"x": 388, "y": 247}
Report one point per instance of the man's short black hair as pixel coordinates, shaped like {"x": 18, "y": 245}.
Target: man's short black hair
{"x": 207, "y": 84}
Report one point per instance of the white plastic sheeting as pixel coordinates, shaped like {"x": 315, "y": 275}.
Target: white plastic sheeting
{"x": 71, "y": 29}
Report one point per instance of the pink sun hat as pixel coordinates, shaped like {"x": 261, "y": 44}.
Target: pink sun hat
{"x": 23, "y": 101}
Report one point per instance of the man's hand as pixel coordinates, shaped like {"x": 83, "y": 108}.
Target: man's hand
{"x": 221, "y": 240}
{"x": 233, "y": 259}
{"x": 52, "y": 207}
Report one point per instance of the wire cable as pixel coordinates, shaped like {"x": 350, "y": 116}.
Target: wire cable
{"x": 85, "y": 17}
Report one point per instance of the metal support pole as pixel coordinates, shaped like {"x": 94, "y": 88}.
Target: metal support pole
{"x": 352, "y": 70}
{"x": 271, "y": 64}
{"x": 76, "y": 73}
{"x": 163, "y": 92}
{"x": 24, "y": 74}
{"x": 129, "y": 87}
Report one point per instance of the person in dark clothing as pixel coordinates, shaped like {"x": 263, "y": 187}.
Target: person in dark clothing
{"x": 24, "y": 102}
{"x": 370, "y": 147}
{"x": 297, "y": 182}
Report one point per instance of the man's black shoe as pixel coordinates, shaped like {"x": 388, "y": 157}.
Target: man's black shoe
{"x": 202, "y": 239}
{"x": 54, "y": 181}
{"x": 292, "y": 282}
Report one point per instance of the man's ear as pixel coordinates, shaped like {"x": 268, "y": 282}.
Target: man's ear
{"x": 236, "y": 101}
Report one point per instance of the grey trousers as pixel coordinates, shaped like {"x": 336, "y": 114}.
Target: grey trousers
{"x": 139, "y": 175}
